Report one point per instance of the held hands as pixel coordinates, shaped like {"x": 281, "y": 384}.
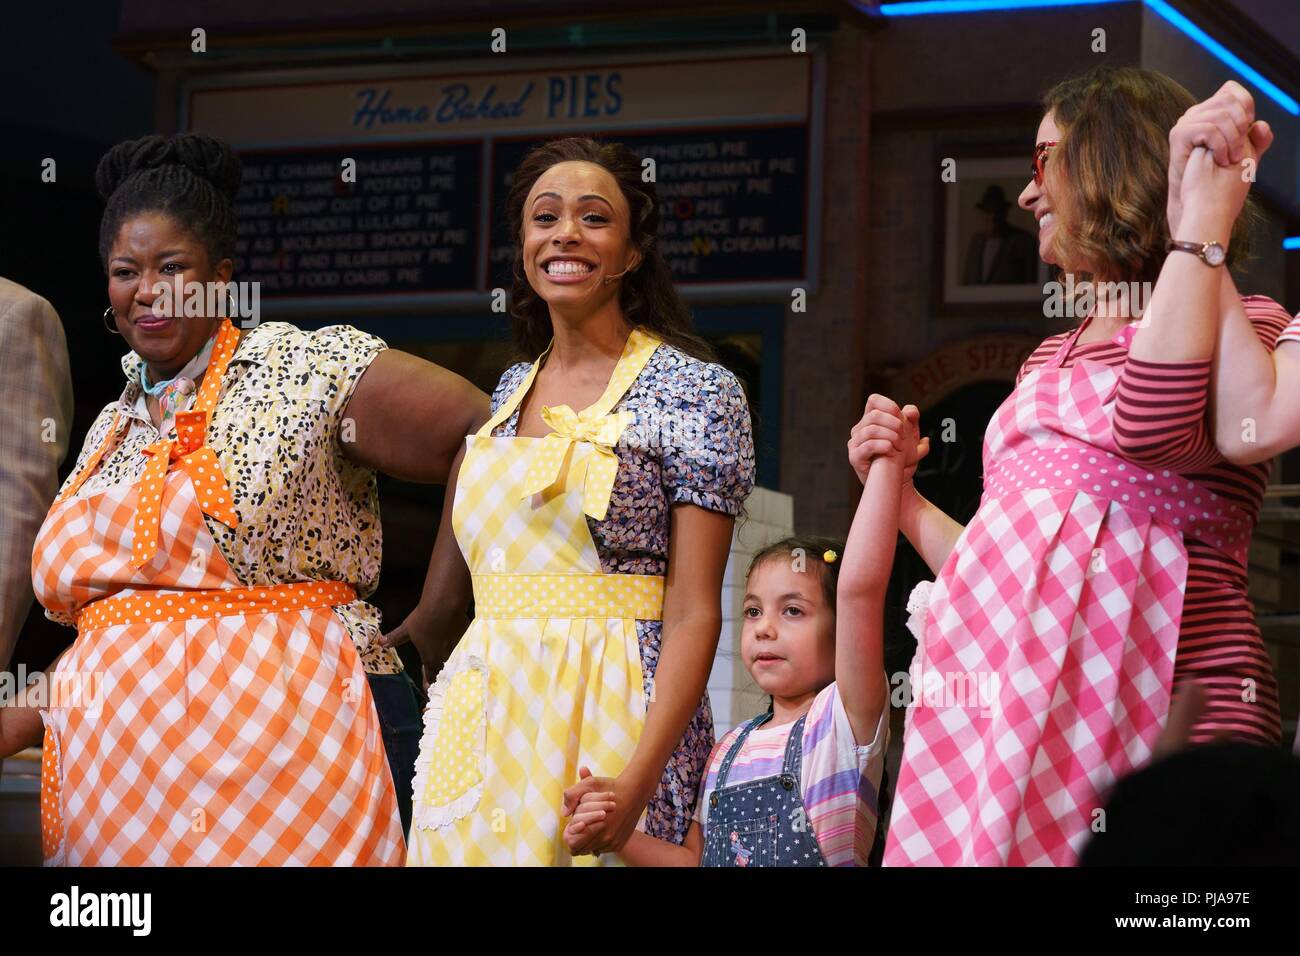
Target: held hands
{"x": 603, "y": 814}
{"x": 587, "y": 823}
{"x": 1214, "y": 152}
{"x": 887, "y": 430}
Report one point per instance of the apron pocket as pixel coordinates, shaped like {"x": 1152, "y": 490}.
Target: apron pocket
{"x": 453, "y": 753}
{"x": 53, "y": 846}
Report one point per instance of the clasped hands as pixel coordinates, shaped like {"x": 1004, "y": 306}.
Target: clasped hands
{"x": 1214, "y": 153}
{"x": 602, "y": 811}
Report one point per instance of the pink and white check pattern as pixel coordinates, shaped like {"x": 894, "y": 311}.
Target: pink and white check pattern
{"x": 1064, "y": 593}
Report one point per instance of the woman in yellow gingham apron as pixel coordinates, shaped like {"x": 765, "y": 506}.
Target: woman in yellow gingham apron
{"x": 548, "y": 677}
{"x": 568, "y": 537}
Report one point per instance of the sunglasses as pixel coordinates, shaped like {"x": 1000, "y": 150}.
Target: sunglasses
{"x": 1040, "y": 159}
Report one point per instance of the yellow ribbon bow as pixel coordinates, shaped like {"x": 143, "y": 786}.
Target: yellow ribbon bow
{"x": 553, "y": 450}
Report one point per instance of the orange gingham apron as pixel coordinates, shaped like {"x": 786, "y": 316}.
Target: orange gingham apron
{"x": 548, "y": 676}
{"x": 234, "y": 725}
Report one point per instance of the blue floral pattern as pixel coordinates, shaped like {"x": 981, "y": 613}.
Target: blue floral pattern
{"x": 691, "y": 442}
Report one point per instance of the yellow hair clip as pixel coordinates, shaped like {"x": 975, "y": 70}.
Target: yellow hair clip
{"x": 829, "y": 556}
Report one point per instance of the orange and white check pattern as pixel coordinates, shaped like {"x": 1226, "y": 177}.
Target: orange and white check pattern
{"x": 231, "y": 738}
{"x": 188, "y": 451}
{"x": 236, "y": 735}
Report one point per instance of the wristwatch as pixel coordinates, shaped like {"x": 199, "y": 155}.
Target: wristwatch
{"x": 1211, "y": 253}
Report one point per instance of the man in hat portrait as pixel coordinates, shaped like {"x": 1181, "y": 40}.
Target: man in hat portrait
{"x": 999, "y": 253}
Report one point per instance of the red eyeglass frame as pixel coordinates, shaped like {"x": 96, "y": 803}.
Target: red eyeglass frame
{"x": 1040, "y": 159}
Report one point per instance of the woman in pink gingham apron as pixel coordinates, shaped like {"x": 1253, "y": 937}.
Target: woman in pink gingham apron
{"x": 1057, "y": 627}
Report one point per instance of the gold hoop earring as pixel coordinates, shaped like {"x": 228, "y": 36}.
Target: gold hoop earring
{"x": 112, "y": 327}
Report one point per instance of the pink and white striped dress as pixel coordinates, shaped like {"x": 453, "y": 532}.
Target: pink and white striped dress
{"x": 1053, "y": 627}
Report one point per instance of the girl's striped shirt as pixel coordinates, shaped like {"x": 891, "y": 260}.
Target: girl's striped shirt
{"x": 839, "y": 777}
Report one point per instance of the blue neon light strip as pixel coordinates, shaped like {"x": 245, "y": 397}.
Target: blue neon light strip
{"x": 1225, "y": 55}
{"x": 913, "y": 8}
{"x": 1291, "y": 242}
{"x": 916, "y": 8}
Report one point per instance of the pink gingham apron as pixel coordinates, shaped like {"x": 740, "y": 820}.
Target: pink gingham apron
{"x": 1048, "y": 657}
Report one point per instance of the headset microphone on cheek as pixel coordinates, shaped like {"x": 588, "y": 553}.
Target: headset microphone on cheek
{"x": 603, "y": 282}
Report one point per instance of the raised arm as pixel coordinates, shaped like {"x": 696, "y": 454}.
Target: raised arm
{"x": 860, "y": 600}
{"x": 1196, "y": 346}
{"x": 929, "y": 529}
{"x": 883, "y": 426}
{"x": 1254, "y": 386}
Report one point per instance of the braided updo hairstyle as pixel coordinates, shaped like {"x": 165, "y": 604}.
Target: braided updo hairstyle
{"x": 191, "y": 177}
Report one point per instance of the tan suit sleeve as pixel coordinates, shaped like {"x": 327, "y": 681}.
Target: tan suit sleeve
{"x": 36, "y": 405}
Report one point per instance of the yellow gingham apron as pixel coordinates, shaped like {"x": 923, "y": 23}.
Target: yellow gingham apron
{"x": 548, "y": 676}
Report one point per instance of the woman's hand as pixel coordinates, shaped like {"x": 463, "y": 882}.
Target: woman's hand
{"x": 432, "y": 634}
{"x": 1216, "y": 180}
{"x": 587, "y": 824}
{"x": 1213, "y": 195}
{"x": 619, "y": 799}
{"x": 886, "y": 428}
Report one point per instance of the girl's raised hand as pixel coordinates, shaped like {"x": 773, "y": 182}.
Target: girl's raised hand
{"x": 879, "y": 431}
{"x": 887, "y": 429}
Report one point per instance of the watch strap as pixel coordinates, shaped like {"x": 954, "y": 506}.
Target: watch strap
{"x": 1198, "y": 249}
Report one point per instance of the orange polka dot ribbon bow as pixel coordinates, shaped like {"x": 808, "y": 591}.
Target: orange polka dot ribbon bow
{"x": 602, "y": 465}
{"x": 188, "y": 451}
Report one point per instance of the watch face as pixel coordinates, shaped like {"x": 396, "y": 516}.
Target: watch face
{"x": 1213, "y": 253}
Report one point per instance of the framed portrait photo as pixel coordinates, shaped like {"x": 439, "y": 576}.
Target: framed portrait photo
{"x": 987, "y": 245}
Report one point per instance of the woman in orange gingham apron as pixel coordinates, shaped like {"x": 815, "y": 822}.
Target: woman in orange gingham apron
{"x": 234, "y": 724}
{"x": 214, "y": 551}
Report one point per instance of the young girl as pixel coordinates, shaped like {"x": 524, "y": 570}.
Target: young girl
{"x": 798, "y": 785}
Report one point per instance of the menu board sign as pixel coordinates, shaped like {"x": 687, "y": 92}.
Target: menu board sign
{"x": 395, "y": 184}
